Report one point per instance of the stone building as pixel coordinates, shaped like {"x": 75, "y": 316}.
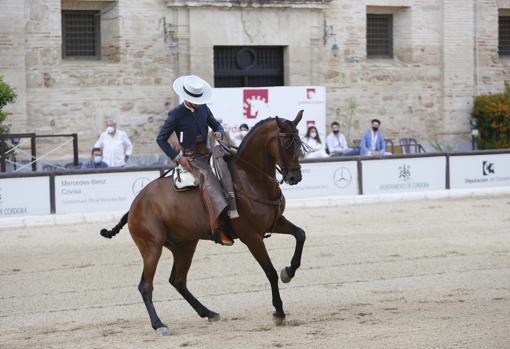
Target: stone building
{"x": 414, "y": 64}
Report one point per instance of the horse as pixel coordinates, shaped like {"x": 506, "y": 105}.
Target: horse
{"x": 160, "y": 216}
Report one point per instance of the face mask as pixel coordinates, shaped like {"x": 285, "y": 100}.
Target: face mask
{"x": 110, "y": 129}
{"x": 313, "y": 134}
{"x": 335, "y": 131}
{"x": 375, "y": 128}
{"x": 243, "y": 133}
{"x": 98, "y": 159}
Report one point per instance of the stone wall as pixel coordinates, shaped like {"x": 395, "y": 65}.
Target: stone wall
{"x": 425, "y": 91}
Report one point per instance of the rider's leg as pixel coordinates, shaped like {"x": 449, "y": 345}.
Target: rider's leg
{"x": 226, "y": 179}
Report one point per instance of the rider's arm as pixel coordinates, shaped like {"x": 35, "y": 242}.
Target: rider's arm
{"x": 165, "y": 132}
{"x": 213, "y": 123}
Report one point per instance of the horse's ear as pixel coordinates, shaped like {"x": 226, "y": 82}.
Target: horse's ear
{"x": 298, "y": 118}
{"x": 278, "y": 121}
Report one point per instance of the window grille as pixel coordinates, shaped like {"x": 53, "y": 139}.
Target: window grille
{"x": 504, "y": 36}
{"x": 80, "y": 34}
{"x": 379, "y": 36}
{"x": 248, "y": 66}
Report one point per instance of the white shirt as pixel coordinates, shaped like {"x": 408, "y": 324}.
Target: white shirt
{"x": 317, "y": 149}
{"x": 115, "y": 148}
{"x": 336, "y": 143}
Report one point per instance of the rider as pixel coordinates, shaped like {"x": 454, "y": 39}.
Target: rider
{"x": 190, "y": 121}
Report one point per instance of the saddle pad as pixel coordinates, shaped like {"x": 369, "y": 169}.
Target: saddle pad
{"x": 187, "y": 180}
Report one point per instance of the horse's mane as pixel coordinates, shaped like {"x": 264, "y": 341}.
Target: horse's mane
{"x": 251, "y": 133}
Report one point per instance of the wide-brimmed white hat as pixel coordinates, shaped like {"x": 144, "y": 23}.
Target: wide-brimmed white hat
{"x": 193, "y": 89}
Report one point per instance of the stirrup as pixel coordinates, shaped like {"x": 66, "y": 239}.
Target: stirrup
{"x": 216, "y": 237}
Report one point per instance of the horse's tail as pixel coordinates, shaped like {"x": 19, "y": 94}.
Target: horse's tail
{"x": 116, "y": 229}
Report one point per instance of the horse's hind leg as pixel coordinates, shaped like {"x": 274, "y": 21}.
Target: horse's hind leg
{"x": 151, "y": 253}
{"x": 183, "y": 255}
{"x": 285, "y": 227}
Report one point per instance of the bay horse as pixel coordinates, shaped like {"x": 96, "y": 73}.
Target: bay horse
{"x": 160, "y": 216}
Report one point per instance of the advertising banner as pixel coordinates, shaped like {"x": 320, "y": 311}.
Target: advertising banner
{"x": 404, "y": 175}
{"x": 99, "y": 191}
{"x": 479, "y": 171}
{"x": 236, "y": 106}
{"x": 324, "y": 180}
{"x": 28, "y": 196}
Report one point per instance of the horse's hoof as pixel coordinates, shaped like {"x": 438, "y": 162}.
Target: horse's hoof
{"x": 284, "y": 275}
{"x": 214, "y": 317}
{"x": 164, "y": 331}
{"x": 279, "y": 319}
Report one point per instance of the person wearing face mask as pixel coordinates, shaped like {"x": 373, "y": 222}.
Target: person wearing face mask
{"x": 96, "y": 160}
{"x": 116, "y": 146}
{"x": 336, "y": 142}
{"x": 243, "y": 131}
{"x": 313, "y": 140}
{"x": 372, "y": 142}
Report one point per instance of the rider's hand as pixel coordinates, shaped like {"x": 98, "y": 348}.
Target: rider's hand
{"x": 184, "y": 162}
{"x": 218, "y": 136}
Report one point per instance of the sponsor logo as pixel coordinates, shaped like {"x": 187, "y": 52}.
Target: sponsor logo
{"x": 255, "y": 103}
{"x": 310, "y": 93}
{"x": 139, "y": 184}
{"x": 342, "y": 177}
{"x": 404, "y": 172}
{"x": 488, "y": 168}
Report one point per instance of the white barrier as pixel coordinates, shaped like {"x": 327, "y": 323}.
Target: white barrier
{"x": 403, "y": 175}
{"x": 99, "y": 191}
{"x": 27, "y": 196}
{"x": 323, "y": 179}
{"x": 479, "y": 171}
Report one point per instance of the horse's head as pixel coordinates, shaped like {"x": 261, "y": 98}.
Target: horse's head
{"x": 288, "y": 148}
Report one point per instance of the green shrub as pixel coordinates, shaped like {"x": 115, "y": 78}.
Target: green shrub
{"x": 7, "y": 95}
{"x": 493, "y": 114}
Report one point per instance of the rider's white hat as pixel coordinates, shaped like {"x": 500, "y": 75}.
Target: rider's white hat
{"x": 193, "y": 89}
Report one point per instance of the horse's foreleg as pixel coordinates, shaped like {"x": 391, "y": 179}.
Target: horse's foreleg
{"x": 285, "y": 227}
{"x": 183, "y": 255}
{"x": 151, "y": 254}
{"x": 258, "y": 250}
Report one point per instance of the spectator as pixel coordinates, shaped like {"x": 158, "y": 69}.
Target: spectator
{"x": 96, "y": 160}
{"x": 116, "y": 146}
{"x": 336, "y": 142}
{"x": 372, "y": 142}
{"x": 243, "y": 131}
{"x": 313, "y": 141}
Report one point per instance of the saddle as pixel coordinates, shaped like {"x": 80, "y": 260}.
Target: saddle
{"x": 183, "y": 180}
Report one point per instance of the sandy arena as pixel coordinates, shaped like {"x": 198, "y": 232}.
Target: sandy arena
{"x": 424, "y": 274}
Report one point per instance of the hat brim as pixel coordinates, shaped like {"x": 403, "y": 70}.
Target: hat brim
{"x": 178, "y": 87}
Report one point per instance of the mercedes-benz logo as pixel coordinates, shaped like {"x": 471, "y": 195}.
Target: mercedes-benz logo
{"x": 342, "y": 177}
{"x": 139, "y": 184}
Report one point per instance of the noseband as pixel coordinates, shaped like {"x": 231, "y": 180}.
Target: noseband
{"x": 295, "y": 141}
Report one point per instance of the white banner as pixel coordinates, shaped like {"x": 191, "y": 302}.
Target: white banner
{"x": 99, "y": 191}
{"x": 325, "y": 179}
{"x": 236, "y": 106}
{"x": 479, "y": 171}
{"x": 27, "y": 196}
{"x": 403, "y": 175}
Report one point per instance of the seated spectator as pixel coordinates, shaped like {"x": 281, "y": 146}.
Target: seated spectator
{"x": 116, "y": 146}
{"x": 336, "y": 143}
{"x": 96, "y": 160}
{"x": 243, "y": 131}
{"x": 372, "y": 142}
{"x": 313, "y": 141}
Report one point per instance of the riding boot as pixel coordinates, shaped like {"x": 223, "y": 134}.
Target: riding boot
{"x": 220, "y": 235}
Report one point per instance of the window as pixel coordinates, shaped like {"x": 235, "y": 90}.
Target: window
{"x": 80, "y": 34}
{"x": 504, "y": 36}
{"x": 379, "y": 35}
{"x": 248, "y": 66}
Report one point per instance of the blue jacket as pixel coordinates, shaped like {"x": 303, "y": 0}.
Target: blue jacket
{"x": 92, "y": 164}
{"x": 366, "y": 143}
{"x": 187, "y": 125}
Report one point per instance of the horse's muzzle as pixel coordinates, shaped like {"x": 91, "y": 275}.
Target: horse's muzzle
{"x": 293, "y": 178}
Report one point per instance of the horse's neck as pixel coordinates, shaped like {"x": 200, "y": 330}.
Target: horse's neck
{"x": 255, "y": 167}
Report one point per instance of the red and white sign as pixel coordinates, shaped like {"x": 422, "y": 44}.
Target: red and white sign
{"x": 236, "y": 106}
